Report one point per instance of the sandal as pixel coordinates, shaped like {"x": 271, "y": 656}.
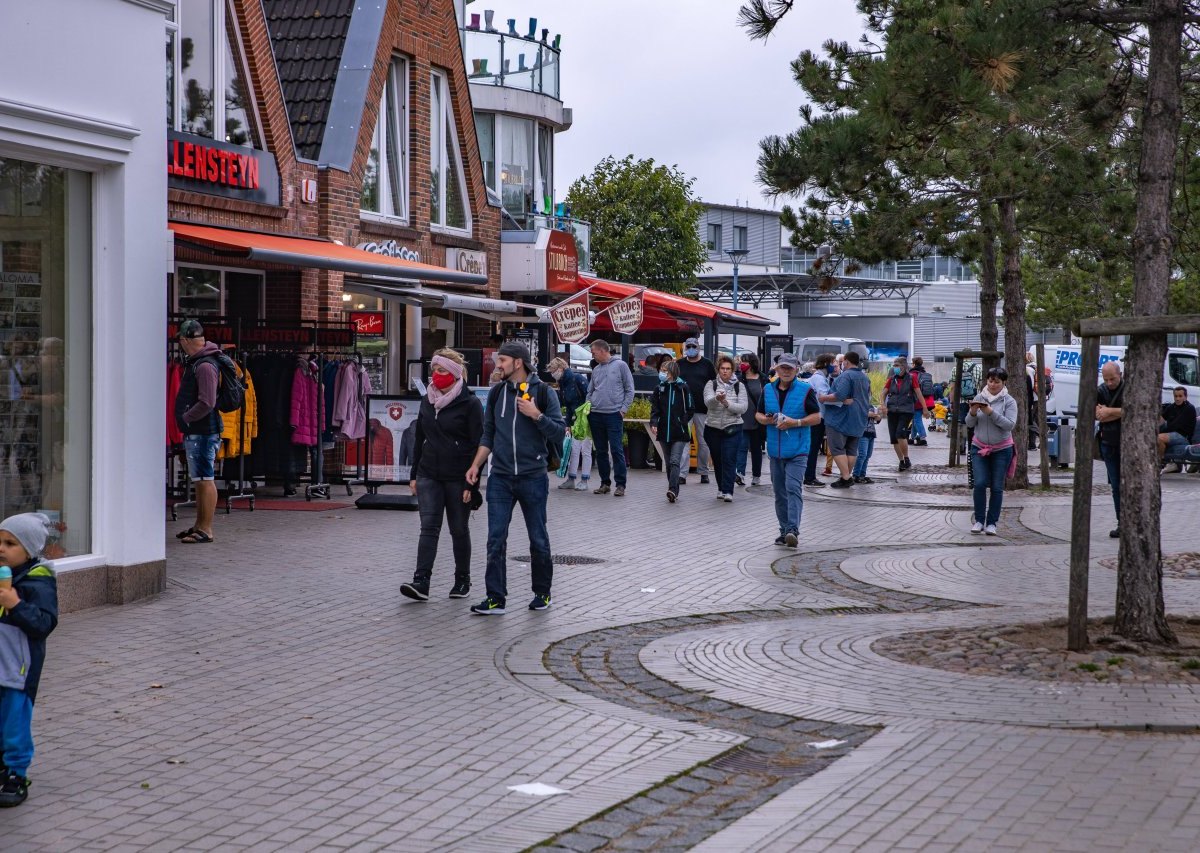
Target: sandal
{"x": 197, "y": 537}
{"x": 184, "y": 533}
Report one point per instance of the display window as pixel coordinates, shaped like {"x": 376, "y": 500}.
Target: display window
{"x": 46, "y": 346}
{"x": 201, "y": 291}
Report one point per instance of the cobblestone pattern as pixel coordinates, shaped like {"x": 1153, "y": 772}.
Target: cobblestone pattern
{"x": 685, "y": 810}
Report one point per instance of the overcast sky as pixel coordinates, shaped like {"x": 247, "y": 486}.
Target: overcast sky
{"x": 678, "y": 81}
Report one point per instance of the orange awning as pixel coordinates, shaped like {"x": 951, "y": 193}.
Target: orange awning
{"x": 321, "y": 254}
{"x": 664, "y": 311}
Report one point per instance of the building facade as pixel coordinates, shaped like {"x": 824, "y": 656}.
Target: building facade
{"x": 83, "y": 250}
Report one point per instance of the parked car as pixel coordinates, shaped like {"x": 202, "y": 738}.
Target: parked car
{"x": 580, "y": 357}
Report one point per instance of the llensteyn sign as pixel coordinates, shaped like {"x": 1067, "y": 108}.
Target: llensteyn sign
{"x": 626, "y": 315}
{"x": 570, "y": 319}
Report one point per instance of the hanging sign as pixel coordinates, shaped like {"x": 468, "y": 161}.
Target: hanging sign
{"x": 570, "y": 319}
{"x": 626, "y": 315}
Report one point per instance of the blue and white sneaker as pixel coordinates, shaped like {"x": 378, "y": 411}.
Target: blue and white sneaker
{"x": 540, "y": 602}
{"x": 488, "y": 607}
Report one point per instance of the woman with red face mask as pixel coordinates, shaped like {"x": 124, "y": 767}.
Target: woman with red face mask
{"x": 449, "y": 426}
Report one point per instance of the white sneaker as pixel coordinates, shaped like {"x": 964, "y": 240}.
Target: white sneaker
{"x": 977, "y": 527}
{"x": 990, "y": 530}
{"x": 727, "y": 498}
{"x": 754, "y": 481}
{"x": 581, "y": 486}
{"x": 720, "y": 496}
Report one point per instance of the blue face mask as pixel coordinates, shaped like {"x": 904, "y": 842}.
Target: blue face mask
{"x": 897, "y": 371}
{"x": 662, "y": 376}
{"x": 690, "y": 351}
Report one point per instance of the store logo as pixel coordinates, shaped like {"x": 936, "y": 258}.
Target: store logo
{"x": 20, "y": 278}
{"x": 391, "y": 249}
{"x": 467, "y": 261}
{"x": 367, "y": 323}
{"x": 395, "y": 411}
{"x": 212, "y": 165}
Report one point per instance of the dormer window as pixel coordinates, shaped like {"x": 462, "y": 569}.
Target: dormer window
{"x": 385, "y": 181}
{"x": 448, "y": 207}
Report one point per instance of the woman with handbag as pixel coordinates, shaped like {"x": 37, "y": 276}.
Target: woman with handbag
{"x": 449, "y": 427}
{"x": 726, "y": 399}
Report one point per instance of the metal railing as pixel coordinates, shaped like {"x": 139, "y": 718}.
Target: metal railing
{"x": 512, "y": 60}
{"x": 582, "y": 231}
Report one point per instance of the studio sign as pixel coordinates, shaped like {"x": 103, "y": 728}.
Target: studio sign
{"x": 391, "y": 249}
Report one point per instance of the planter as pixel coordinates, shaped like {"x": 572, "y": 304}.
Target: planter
{"x": 638, "y": 448}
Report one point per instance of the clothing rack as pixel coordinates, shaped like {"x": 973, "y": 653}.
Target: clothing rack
{"x": 241, "y": 494}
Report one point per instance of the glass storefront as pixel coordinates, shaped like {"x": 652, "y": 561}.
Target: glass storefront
{"x": 46, "y": 346}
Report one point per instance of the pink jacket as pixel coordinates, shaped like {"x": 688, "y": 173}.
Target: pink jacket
{"x": 304, "y": 417}
{"x": 350, "y": 402}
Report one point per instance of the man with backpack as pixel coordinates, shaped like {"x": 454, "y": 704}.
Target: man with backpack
{"x": 925, "y": 383}
{"x": 198, "y": 418}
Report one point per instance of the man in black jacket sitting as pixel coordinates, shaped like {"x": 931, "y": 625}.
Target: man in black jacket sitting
{"x": 1179, "y": 424}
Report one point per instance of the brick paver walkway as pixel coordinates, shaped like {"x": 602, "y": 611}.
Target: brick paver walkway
{"x": 281, "y": 695}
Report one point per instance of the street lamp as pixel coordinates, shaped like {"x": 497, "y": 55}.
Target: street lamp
{"x": 735, "y": 257}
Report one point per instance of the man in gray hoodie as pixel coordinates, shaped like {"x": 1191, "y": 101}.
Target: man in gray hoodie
{"x": 521, "y": 422}
{"x": 611, "y": 394}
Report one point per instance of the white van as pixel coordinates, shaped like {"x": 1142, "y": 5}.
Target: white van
{"x": 1182, "y": 367}
{"x": 807, "y": 349}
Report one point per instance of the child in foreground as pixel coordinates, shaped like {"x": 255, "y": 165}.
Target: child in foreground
{"x": 28, "y": 613}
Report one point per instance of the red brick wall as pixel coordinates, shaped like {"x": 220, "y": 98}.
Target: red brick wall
{"x": 429, "y": 39}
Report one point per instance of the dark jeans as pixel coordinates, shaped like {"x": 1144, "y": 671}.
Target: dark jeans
{"x": 989, "y": 472}
{"x": 531, "y": 493}
{"x": 1111, "y": 454}
{"x": 673, "y": 453}
{"x": 435, "y": 497}
{"x": 607, "y": 432}
{"x": 753, "y": 440}
{"x": 724, "y": 456}
{"x": 816, "y": 438}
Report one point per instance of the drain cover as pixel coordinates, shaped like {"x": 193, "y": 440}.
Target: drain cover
{"x": 563, "y": 560}
{"x": 748, "y": 761}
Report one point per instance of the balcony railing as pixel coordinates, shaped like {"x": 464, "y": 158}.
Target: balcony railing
{"x": 512, "y": 60}
{"x": 582, "y": 231}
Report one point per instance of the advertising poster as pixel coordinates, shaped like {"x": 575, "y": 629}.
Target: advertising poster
{"x": 391, "y": 437}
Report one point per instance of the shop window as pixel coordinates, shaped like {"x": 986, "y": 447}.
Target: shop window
{"x": 207, "y": 59}
{"x": 447, "y": 186}
{"x": 212, "y": 292}
{"x": 714, "y": 237}
{"x": 485, "y": 131}
{"x": 385, "y": 182}
{"x": 46, "y": 346}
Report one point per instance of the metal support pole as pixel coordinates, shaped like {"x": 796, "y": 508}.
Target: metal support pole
{"x": 1081, "y": 502}
{"x": 1039, "y": 389}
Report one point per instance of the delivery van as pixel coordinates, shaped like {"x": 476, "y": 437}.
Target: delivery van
{"x": 1182, "y": 368}
{"x": 807, "y": 349}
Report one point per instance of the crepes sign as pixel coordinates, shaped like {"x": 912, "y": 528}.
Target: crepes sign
{"x": 626, "y": 315}
{"x": 570, "y": 320}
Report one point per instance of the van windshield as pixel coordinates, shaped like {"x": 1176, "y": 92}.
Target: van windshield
{"x": 1183, "y": 369}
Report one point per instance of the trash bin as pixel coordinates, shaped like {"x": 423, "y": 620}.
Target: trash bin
{"x": 1061, "y": 442}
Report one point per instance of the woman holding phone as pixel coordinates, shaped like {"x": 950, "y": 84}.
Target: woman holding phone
{"x": 992, "y": 414}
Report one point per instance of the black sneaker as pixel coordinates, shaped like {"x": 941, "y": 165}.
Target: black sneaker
{"x": 863, "y": 481}
{"x": 791, "y": 539}
{"x": 415, "y": 590}
{"x": 683, "y": 481}
{"x": 704, "y": 479}
{"x": 671, "y": 496}
{"x": 781, "y": 540}
{"x": 461, "y": 589}
{"x": 839, "y": 483}
{"x": 540, "y": 601}
{"x": 1115, "y": 533}
{"x": 816, "y": 483}
{"x": 739, "y": 479}
{"x": 488, "y": 607}
{"x": 14, "y": 791}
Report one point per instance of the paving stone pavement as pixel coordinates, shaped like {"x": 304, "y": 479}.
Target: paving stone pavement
{"x": 281, "y": 695}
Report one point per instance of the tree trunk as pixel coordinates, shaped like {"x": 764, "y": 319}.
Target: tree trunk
{"x": 1014, "y": 336}
{"x": 989, "y": 295}
{"x": 1141, "y": 613}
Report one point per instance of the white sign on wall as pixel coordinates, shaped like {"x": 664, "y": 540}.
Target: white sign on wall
{"x": 392, "y": 249}
{"x": 467, "y": 260}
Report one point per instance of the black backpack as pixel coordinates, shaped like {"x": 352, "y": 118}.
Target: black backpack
{"x": 231, "y": 391}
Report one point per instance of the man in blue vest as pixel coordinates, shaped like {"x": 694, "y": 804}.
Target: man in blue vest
{"x": 788, "y": 408}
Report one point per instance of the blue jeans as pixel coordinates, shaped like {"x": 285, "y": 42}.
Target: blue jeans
{"x": 607, "y": 432}
{"x": 201, "y": 453}
{"x": 16, "y": 729}
{"x": 1112, "y": 462}
{"x": 787, "y": 478}
{"x": 918, "y": 426}
{"x": 531, "y": 493}
{"x": 866, "y": 445}
{"x": 989, "y": 472}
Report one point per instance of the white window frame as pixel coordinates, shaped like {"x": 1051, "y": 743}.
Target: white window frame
{"x": 397, "y": 85}
{"x": 220, "y": 82}
{"x": 262, "y": 286}
{"x": 449, "y": 126}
